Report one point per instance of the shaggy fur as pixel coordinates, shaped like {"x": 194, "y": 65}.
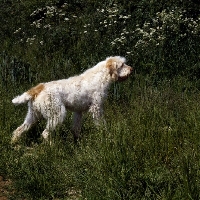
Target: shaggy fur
{"x": 78, "y": 94}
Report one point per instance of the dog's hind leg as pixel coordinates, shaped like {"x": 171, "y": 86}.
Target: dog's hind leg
{"x": 55, "y": 117}
{"x": 29, "y": 121}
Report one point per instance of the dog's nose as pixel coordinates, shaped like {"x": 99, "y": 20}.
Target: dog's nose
{"x": 131, "y": 69}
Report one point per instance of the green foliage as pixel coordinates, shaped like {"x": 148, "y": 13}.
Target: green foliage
{"x": 160, "y": 38}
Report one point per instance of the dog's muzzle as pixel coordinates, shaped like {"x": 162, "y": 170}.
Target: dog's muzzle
{"x": 123, "y": 78}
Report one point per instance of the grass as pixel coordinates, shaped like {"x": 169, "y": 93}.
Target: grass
{"x": 148, "y": 150}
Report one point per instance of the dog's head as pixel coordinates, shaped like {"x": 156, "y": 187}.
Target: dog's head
{"x": 118, "y": 70}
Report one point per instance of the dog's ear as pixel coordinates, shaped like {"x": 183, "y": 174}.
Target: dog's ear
{"x": 112, "y": 66}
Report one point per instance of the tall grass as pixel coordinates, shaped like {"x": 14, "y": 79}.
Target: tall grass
{"x": 148, "y": 150}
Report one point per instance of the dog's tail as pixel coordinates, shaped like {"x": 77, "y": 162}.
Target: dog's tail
{"x": 29, "y": 95}
{"x": 25, "y": 97}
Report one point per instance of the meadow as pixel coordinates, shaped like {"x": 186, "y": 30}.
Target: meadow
{"x": 149, "y": 147}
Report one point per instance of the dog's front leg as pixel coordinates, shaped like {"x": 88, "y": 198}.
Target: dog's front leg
{"x": 76, "y": 127}
{"x": 97, "y": 114}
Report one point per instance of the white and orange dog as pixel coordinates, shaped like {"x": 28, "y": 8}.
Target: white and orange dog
{"x": 78, "y": 94}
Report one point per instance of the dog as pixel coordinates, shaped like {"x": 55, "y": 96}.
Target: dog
{"x": 84, "y": 92}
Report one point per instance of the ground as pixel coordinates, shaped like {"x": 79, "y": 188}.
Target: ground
{"x": 4, "y": 188}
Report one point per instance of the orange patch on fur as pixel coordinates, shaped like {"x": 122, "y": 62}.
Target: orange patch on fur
{"x": 35, "y": 91}
{"x": 110, "y": 64}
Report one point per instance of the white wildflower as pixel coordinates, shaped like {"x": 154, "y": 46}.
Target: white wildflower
{"x": 18, "y": 30}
